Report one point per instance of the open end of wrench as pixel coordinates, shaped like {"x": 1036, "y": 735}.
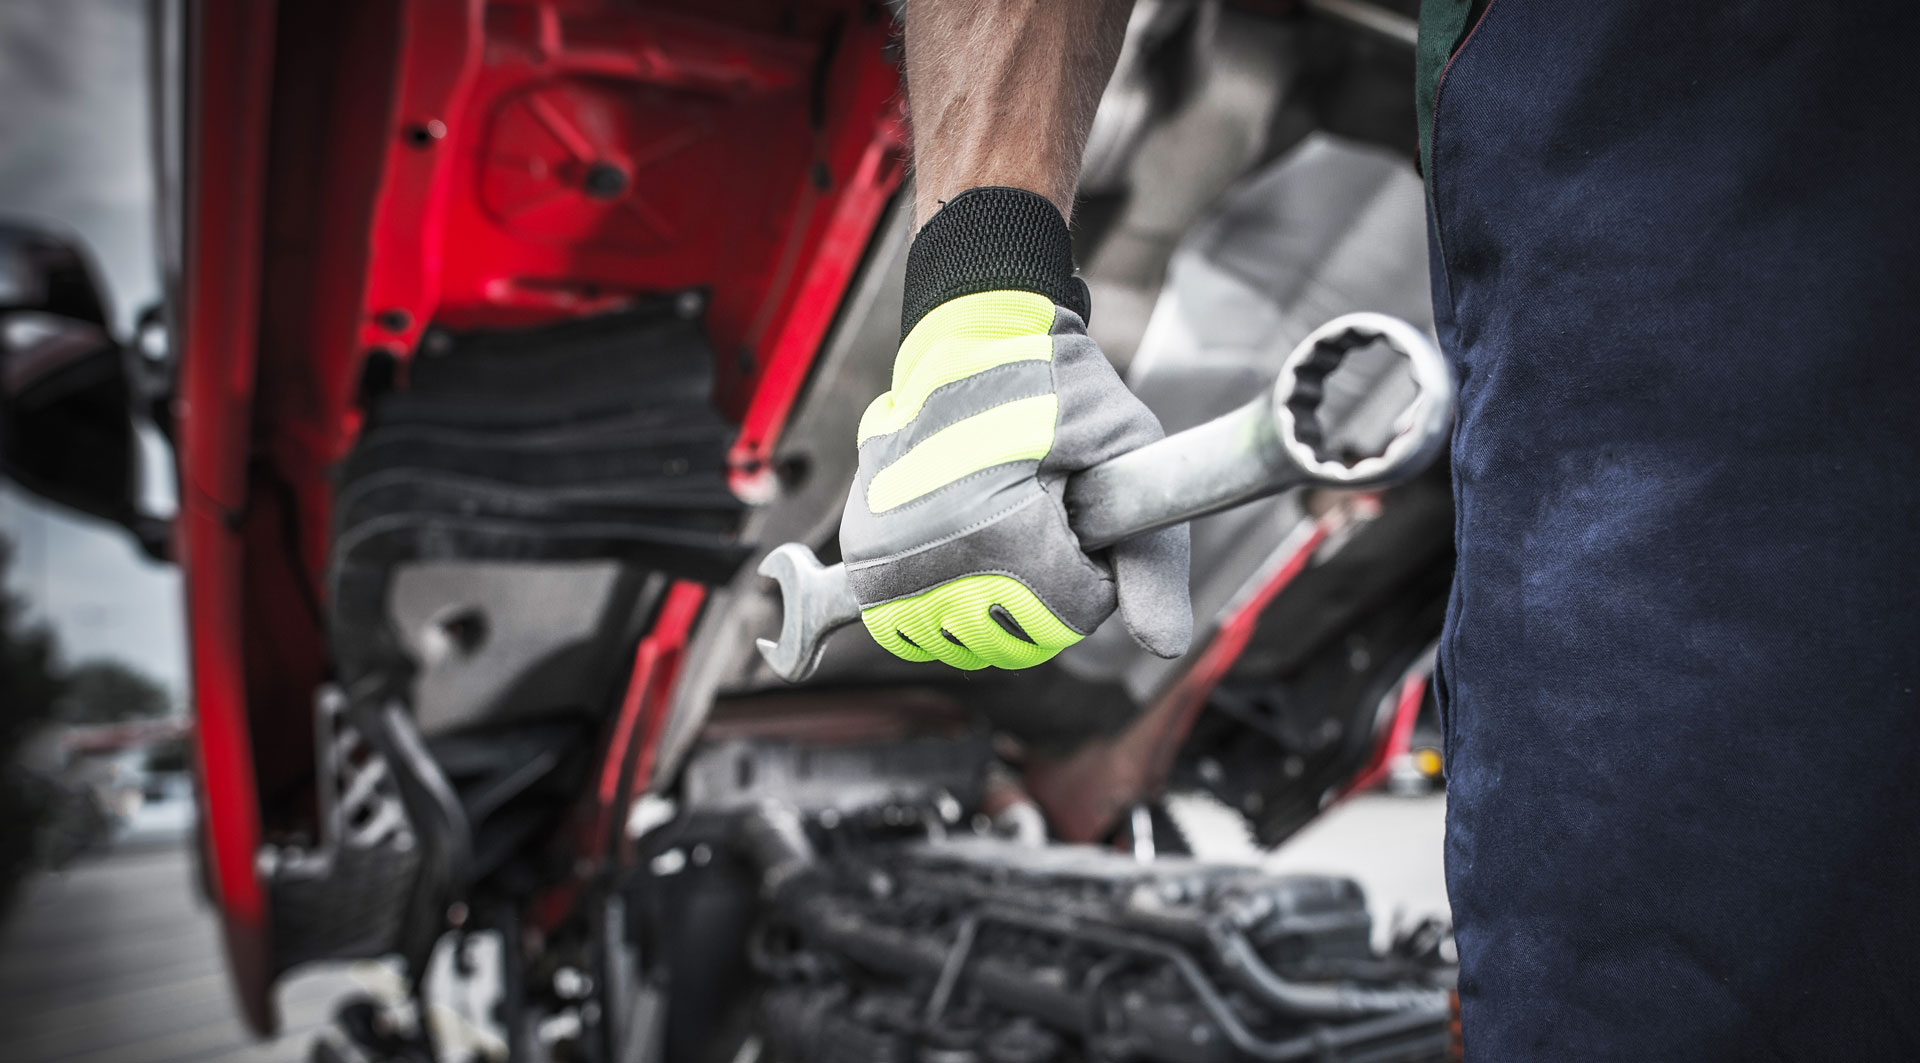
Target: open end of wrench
{"x": 815, "y": 601}
{"x": 1299, "y": 391}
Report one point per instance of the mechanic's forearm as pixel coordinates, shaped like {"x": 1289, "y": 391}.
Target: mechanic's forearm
{"x": 1002, "y": 92}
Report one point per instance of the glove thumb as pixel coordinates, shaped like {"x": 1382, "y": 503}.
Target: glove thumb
{"x": 1150, "y": 573}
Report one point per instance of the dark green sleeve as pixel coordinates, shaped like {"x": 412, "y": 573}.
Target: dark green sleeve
{"x": 1444, "y": 25}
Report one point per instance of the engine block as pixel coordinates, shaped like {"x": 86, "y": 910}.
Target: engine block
{"x": 981, "y": 949}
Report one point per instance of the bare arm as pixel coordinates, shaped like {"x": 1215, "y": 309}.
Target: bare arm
{"x": 1002, "y": 92}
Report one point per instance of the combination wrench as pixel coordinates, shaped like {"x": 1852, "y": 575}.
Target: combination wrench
{"x": 1272, "y": 444}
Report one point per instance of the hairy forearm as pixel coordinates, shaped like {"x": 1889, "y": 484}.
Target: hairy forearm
{"x": 1002, "y": 92}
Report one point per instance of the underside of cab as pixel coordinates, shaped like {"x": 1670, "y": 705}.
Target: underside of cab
{"x": 510, "y": 333}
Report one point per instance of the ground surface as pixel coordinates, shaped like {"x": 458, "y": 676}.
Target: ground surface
{"x": 117, "y": 961}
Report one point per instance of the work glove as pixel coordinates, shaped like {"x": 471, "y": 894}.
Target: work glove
{"x": 954, "y": 536}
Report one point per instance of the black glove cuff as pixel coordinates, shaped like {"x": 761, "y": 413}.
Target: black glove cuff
{"x": 990, "y": 240}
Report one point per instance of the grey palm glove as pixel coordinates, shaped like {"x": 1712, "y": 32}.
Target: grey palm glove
{"x": 954, "y": 535}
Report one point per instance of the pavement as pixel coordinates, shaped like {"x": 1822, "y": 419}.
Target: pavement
{"x": 117, "y": 959}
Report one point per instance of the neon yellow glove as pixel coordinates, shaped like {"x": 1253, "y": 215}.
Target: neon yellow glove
{"x": 954, "y": 535}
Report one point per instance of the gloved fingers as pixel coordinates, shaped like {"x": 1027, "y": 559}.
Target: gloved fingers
{"x": 1155, "y": 602}
{"x": 1005, "y": 624}
{"x": 912, "y": 628}
{"x": 979, "y": 621}
{"x": 896, "y": 642}
{"x": 948, "y": 651}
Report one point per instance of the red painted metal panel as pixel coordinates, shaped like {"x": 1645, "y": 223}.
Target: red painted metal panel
{"x": 440, "y": 51}
{"x": 637, "y": 731}
{"x": 361, "y": 170}
{"x": 809, "y": 312}
{"x": 626, "y": 760}
{"x": 554, "y": 157}
{"x": 229, "y": 66}
{"x": 1397, "y": 738}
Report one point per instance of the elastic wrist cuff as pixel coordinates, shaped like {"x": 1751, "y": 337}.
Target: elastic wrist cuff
{"x": 990, "y": 240}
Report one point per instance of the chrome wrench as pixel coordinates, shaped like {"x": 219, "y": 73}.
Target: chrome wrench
{"x": 1272, "y": 444}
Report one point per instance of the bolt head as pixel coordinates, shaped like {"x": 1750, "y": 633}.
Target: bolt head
{"x": 604, "y": 180}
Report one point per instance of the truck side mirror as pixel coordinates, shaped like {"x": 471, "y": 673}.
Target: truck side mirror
{"x": 67, "y": 428}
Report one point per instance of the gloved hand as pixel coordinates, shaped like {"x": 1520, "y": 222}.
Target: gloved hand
{"x": 954, "y": 536}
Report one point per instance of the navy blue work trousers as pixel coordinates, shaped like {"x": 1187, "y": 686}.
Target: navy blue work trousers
{"x": 1676, "y": 252}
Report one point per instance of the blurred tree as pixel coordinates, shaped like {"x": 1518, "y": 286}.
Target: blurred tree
{"x": 110, "y": 692}
{"x": 30, "y": 686}
{"x": 30, "y": 681}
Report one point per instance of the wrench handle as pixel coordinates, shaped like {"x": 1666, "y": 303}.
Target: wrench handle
{"x": 1229, "y": 460}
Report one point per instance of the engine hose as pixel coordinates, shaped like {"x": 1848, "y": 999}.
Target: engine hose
{"x": 1320, "y": 1041}
{"x": 775, "y": 840}
{"x": 1336, "y": 1000}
